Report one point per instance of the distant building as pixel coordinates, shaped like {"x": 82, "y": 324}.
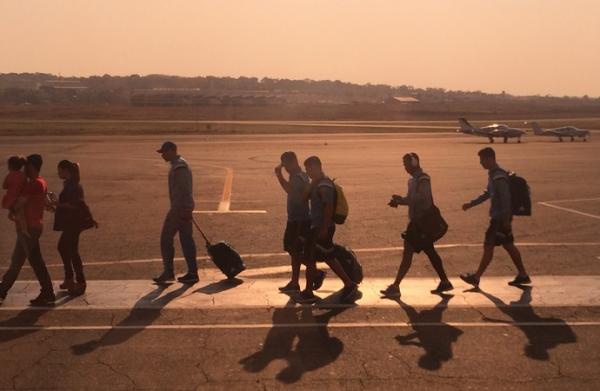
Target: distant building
{"x": 403, "y": 100}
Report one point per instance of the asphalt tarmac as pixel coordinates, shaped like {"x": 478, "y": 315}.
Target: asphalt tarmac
{"x": 416, "y": 345}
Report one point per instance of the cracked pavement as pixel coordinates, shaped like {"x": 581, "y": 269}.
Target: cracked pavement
{"x": 463, "y": 345}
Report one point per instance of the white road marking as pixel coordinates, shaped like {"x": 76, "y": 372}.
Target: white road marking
{"x": 212, "y": 293}
{"x": 360, "y": 250}
{"x": 333, "y": 325}
{"x": 225, "y": 203}
{"x": 211, "y": 212}
{"x": 570, "y": 210}
{"x": 573, "y": 200}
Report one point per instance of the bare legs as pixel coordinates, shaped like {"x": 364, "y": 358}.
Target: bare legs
{"x": 407, "y": 256}
{"x": 488, "y": 254}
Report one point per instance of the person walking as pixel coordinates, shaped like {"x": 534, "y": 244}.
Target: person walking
{"x": 72, "y": 216}
{"x": 419, "y": 200}
{"x": 178, "y": 219}
{"x": 297, "y": 228}
{"x": 319, "y": 245}
{"x": 499, "y": 232}
{"x": 33, "y": 198}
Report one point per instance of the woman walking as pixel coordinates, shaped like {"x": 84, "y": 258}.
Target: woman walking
{"x": 72, "y": 217}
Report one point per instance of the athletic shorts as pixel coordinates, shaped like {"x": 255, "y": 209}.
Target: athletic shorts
{"x": 497, "y": 235}
{"x": 417, "y": 240}
{"x": 316, "y": 249}
{"x": 296, "y": 233}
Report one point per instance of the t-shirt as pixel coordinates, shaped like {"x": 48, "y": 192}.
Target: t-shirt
{"x": 14, "y": 184}
{"x": 322, "y": 194}
{"x": 297, "y": 207}
{"x": 35, "y": 192}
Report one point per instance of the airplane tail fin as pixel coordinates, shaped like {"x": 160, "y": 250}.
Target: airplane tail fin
{"x": 536, "y": 128}
{"x": 465, "y": 126}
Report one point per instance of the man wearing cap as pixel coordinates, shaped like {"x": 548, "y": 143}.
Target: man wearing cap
{"x": 179, "y": 218}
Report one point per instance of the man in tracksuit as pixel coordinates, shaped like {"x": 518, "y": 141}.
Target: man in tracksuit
{"x": 419, "y": 200}
{"x": 179, "y": 218}
{"x": 499, "y": 232}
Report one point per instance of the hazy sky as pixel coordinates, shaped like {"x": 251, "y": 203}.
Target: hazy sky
{"x": 521, "y": 46}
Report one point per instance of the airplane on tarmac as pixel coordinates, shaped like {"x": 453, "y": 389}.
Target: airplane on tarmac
{"x": 491, "y": 131}
{"x": 564, "y": 131}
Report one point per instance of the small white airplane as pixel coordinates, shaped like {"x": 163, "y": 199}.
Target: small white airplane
{"x": 564, "y": 131}
{"x": 491, "y": 131}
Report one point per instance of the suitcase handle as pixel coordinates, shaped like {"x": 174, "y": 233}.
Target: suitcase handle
{"x": 201, "y": 232}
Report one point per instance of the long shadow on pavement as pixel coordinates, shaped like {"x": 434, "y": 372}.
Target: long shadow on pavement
{"x": 315, "y": 348}
{"x": 542, "y": 337}
{"x": 139, "y": 316}
{"x": 29, "y": 318}
{"x": 219, "y": 286}
{"x": 430, "y": 333}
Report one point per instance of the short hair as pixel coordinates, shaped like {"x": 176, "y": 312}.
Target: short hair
{"x": 410, "y": 156}
{"x": 487, "y": 152}
{"x": 15, "y": 163}
{"x": 35, "y": 161}
{"x": 289, "y": 156}
{"x": 313, "y": 161}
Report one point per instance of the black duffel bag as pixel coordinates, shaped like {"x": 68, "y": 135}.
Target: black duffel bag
{"x": 432, "y": 224}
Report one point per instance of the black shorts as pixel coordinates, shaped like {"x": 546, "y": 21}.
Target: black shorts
{"x": 296, "y": 234}
{"x": 417, "y": 240}
{"x": 316, "y": 249}
{"x": 497, "y": 235}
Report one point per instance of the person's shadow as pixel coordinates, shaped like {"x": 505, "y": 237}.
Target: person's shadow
{"x": 219, "y": 286}
{"x": 138, "y": 316}
{"x": 27, "y": 319}
{"x": 315, "y": 347}
{"x": 430, "y": 333}
{"x": 543, "y": 333}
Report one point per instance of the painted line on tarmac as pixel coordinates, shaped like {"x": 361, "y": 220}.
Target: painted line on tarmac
{"x": 217, "y": 212}
{"x": 360, "y": 250}
{"x": 349, "y": 325}
{"x": 573, "y": 200}
{"x": 225, "y": 203}
{"x": 570, "y": 210}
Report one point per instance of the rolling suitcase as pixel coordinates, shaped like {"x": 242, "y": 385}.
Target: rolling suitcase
{"x": 347, "y": 258}
{"x": 224, "y": 256}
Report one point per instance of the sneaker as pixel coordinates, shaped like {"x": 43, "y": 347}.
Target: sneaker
{"x": 43, "y": 300}
{"x": 290, "y": 287}
{"x": 78, "y": 289}
{"x": 67, "y": 285}
{"x": 306, "y": 297}
{"x": 443, "y": 287}
{"x": 189, "y": 278}
{"x": 164, "y": 277}
{"x": 392, "y": 291}
{"x": 349, "y": 293}
{"x": 318, "y": 282}
{"x": 470, "y": 278}
{"x": 520, "y": 280}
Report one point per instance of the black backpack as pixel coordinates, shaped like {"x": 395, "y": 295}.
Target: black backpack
{"x": 520, "y": 196}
